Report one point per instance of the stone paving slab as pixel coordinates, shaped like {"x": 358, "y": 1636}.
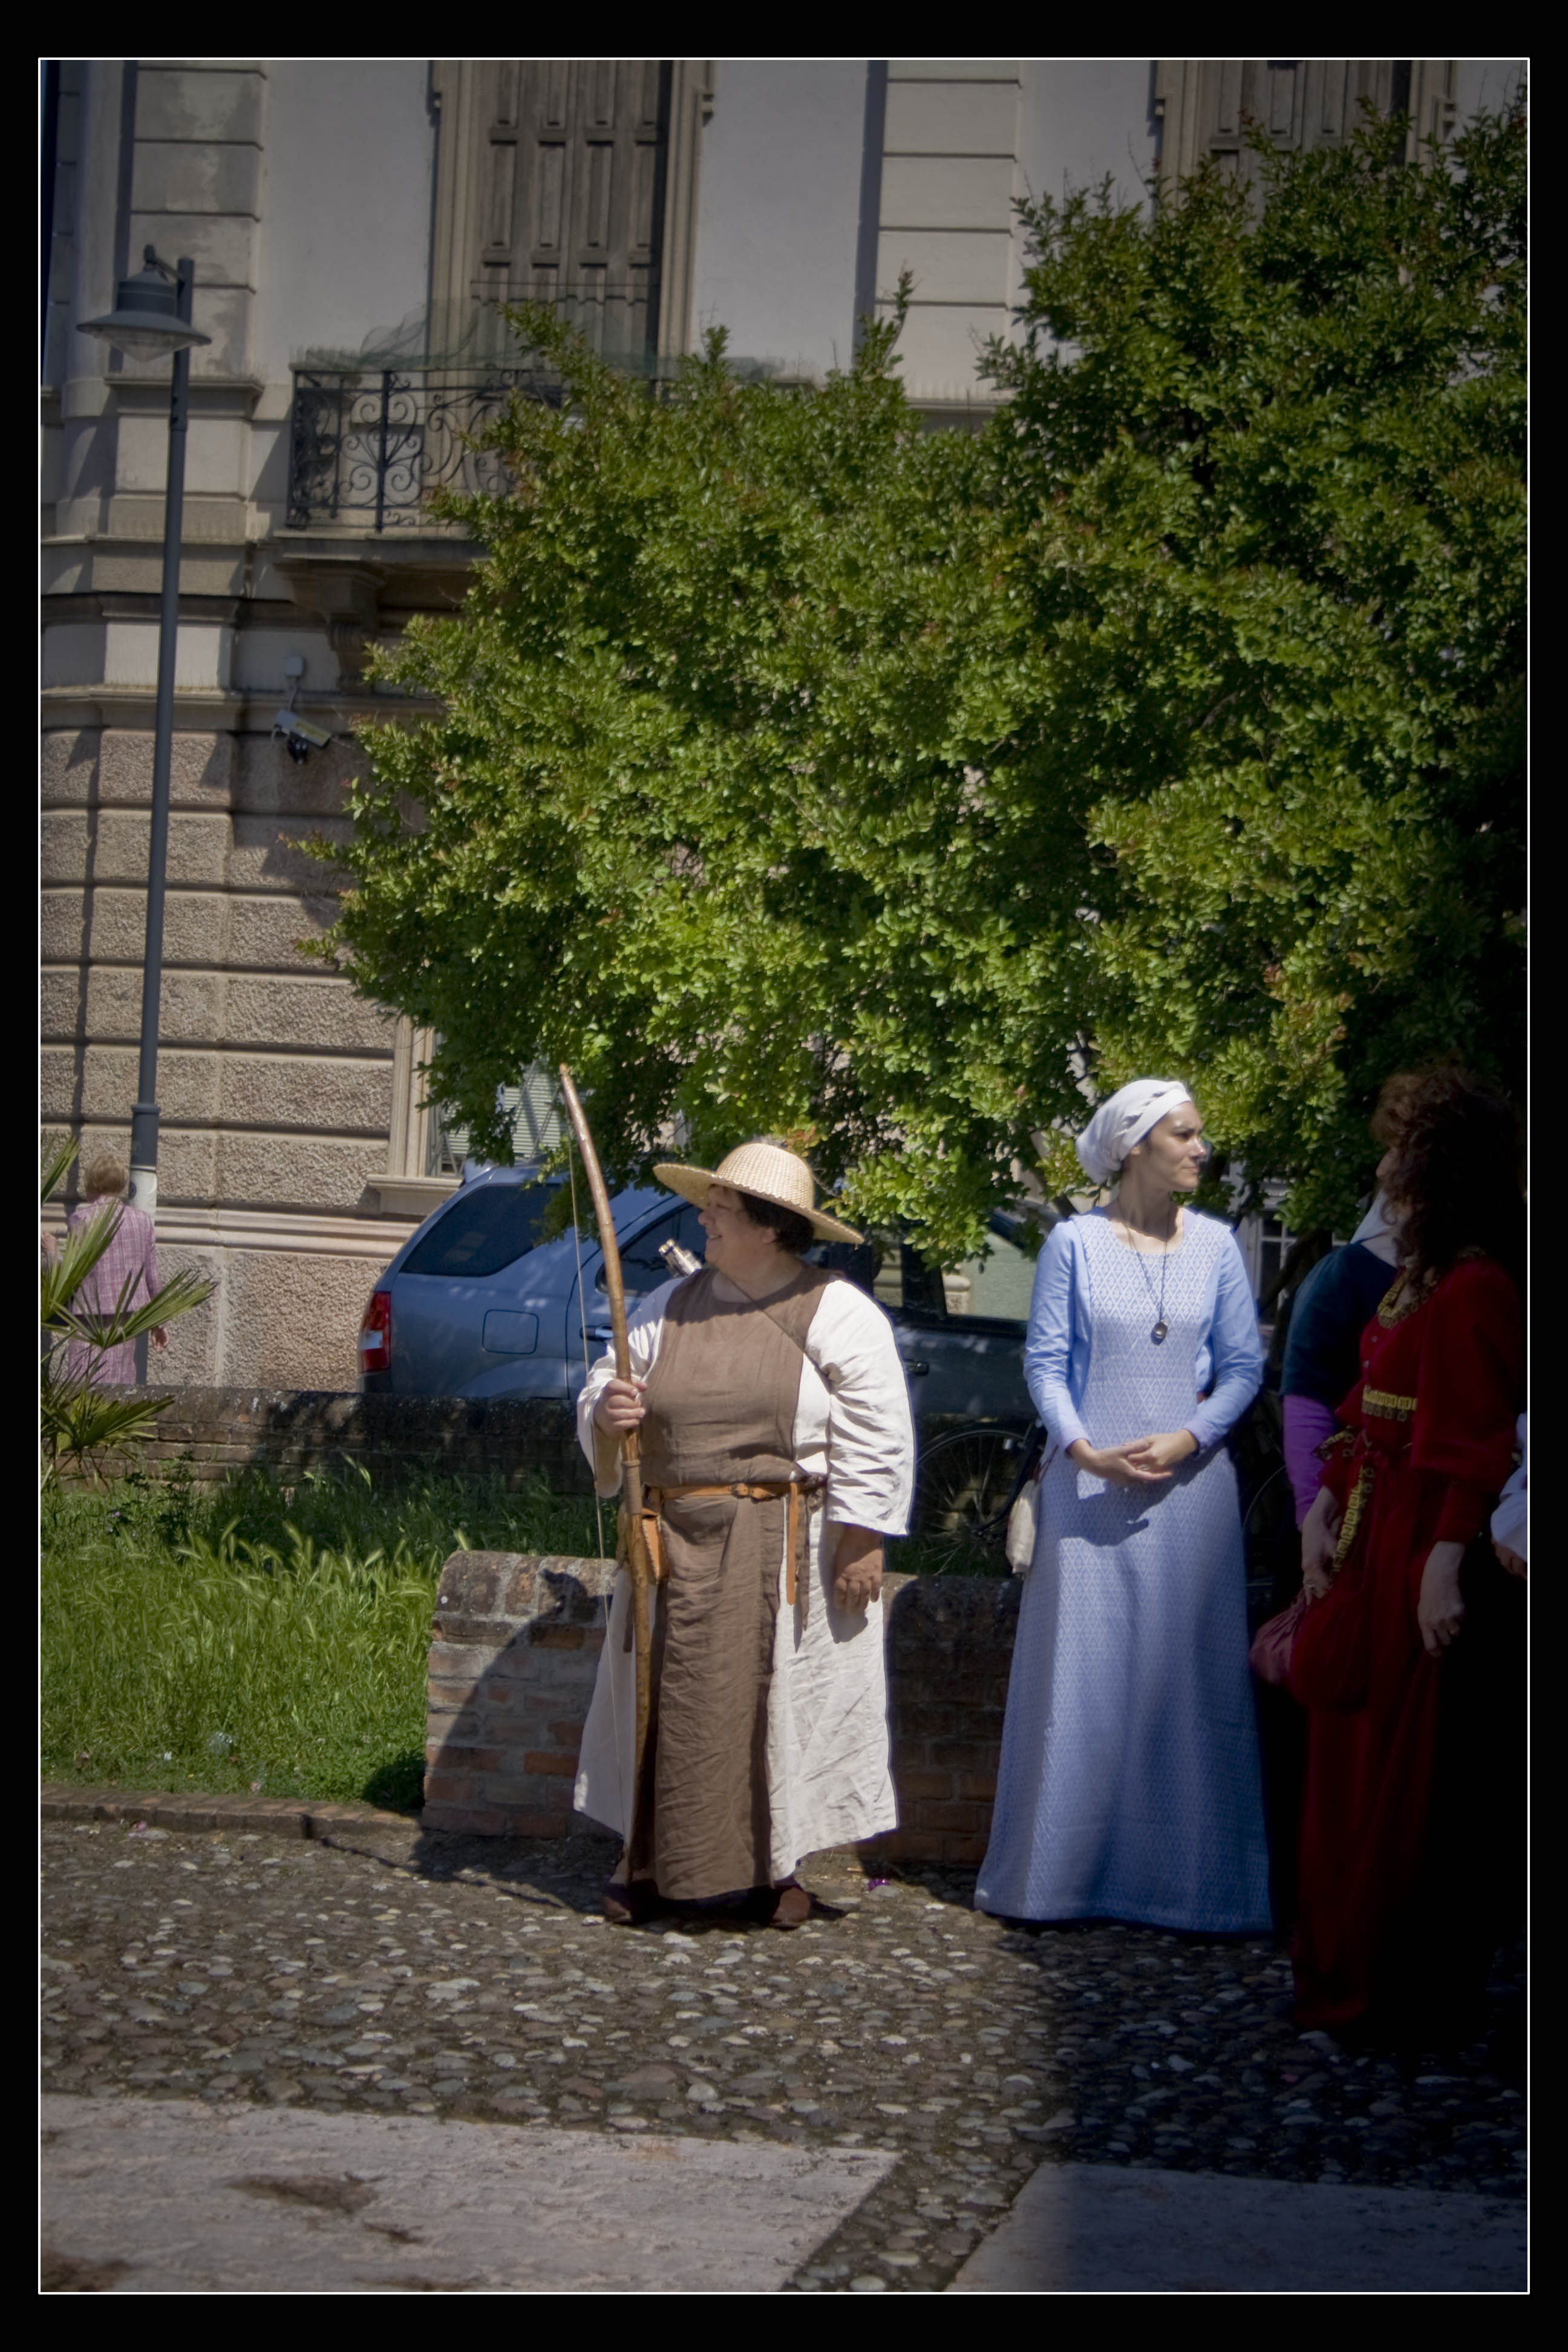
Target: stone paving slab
{"x": 157, "y": 1809}
{"x": 170, "y": 2197}
{"x": 377, "y": 1967}
{"x": 1091, "y": 2229}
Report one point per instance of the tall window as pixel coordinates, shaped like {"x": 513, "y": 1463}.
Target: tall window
{"x": 531, "y": 1110}
{"x": 1207, "y": 105}
{"x": 553, "y": 189}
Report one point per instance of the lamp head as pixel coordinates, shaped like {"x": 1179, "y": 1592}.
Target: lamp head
{"x": 145, "y": 320}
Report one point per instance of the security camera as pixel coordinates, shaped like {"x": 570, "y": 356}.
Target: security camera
{"x": 301, "y": 736}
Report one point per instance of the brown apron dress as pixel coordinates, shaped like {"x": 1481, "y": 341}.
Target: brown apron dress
{"x": 721, "y": 1401}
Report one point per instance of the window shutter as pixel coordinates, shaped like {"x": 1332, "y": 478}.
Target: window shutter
{"x": 1206, "y": 106}
{"x": 570, "y": 209}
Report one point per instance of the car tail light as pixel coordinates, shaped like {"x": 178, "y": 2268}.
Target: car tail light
{"x": 375, "y": 1334}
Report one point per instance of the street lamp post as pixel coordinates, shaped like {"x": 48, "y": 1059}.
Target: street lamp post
{"x": 153, "y": 315}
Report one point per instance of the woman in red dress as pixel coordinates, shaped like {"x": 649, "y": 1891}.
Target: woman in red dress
{"x": 1409, "y": 1660}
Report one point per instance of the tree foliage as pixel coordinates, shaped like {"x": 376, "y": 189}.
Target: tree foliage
{"x": 704, "y": 815}
{"x": 804, "y": 770}
{"x": 1286, "y": 447}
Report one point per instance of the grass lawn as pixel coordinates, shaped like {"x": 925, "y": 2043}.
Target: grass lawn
{"x": 267, "y": 1637}
{"x": 259, "y": 1636}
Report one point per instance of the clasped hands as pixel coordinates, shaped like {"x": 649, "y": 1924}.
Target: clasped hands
{"x": 858, "y": 1563}
{"x": 1142, "y": 1462}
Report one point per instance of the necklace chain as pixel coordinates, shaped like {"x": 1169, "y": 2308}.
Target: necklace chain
{"x": 1161, "y": 1328}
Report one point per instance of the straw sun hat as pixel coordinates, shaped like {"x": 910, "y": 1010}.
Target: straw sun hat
{"x": 769, "y": 1173}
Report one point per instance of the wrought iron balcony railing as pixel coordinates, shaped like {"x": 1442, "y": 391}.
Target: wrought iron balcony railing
{"x": 378, "y": 444}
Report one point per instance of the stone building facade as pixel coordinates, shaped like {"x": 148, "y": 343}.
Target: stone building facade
{"x": 352, "y": 224}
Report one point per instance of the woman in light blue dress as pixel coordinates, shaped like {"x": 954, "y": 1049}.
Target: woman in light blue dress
{"x": 1130, "y": 1785}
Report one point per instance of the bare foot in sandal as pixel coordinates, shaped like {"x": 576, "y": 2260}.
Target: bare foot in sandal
{"x": 793, "y": 1908}
{"x": 630, "y": 1906}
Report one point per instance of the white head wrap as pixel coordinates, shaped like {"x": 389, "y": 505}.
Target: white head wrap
{"x": 1125, "y": 1120}
{"x": 1376, "y": 1233}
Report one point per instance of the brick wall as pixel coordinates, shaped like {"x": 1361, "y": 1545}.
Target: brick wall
{"x": 516, "y": 1644}
{"x": 216, "y": 1430}
{"x": 950, "y": 1650}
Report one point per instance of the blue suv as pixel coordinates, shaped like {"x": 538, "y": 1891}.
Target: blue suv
{"x": 475, "y": 1305}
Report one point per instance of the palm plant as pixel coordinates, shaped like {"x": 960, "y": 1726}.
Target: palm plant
{"x": 80, "y": 1419}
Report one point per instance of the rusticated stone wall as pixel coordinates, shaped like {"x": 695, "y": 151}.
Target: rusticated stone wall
{"x": 215, "y": 1432}
{"x": 276, "y": 1082}
{"x": 515, "y": 1646}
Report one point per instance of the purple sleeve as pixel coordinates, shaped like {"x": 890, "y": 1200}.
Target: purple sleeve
{"x": 1307, "y": 1425}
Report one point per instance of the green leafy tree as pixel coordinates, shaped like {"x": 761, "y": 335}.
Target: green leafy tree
{"x": 803, "y": 770}
{"x": 1285, "y": 441}
{"x": 704, "y": 816}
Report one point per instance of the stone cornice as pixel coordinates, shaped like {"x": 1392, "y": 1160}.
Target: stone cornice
{"x": 412, "y": 1196}
{"x": 376, "y": 1238}
{"x": 408, "y": 574}
{"x": 208, "y": 712}
{"x": 236, "y": 393}
{"x": 137, "y": 604}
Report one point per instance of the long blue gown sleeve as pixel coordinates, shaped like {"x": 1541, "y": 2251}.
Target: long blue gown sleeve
{"x": 1236, "y": 1350}
{"x": 1047, "y": 1351}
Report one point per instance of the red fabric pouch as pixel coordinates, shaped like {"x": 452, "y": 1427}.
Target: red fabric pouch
{"x": 1270, "y": 1656}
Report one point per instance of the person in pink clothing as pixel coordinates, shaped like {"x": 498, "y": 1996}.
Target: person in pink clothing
{"x": 130, "y": 1258}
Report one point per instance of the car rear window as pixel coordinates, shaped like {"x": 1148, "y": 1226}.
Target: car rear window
{"x": 484, "y": 1229}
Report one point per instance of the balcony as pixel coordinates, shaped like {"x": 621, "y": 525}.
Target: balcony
{"x": 372, "y": 447}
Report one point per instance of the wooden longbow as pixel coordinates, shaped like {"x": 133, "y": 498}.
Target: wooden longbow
{"x": 632, "y": 1546}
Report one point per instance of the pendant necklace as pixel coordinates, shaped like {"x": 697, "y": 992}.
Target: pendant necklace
{"x": 1161, "y": 1331}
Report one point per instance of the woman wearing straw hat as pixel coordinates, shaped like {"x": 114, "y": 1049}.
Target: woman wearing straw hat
{"x": 777, "y": 1454}
{"x": 1128, "y": 1785}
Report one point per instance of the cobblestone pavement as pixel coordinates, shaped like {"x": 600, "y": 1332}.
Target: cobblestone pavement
{"x": 390, "y": 1970}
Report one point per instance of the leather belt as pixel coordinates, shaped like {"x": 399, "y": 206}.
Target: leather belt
{"x": 795, "y": 1491}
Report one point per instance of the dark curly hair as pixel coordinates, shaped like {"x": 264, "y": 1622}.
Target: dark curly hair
{"x": 1394, "y": 1097}
{"x": 1453, "y": 1183}
{"x": 790, "y": 1230}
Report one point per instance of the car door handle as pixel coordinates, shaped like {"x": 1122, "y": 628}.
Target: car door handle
{"x": 600, "y": 1331}
{"x": 917, "y": 1368}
